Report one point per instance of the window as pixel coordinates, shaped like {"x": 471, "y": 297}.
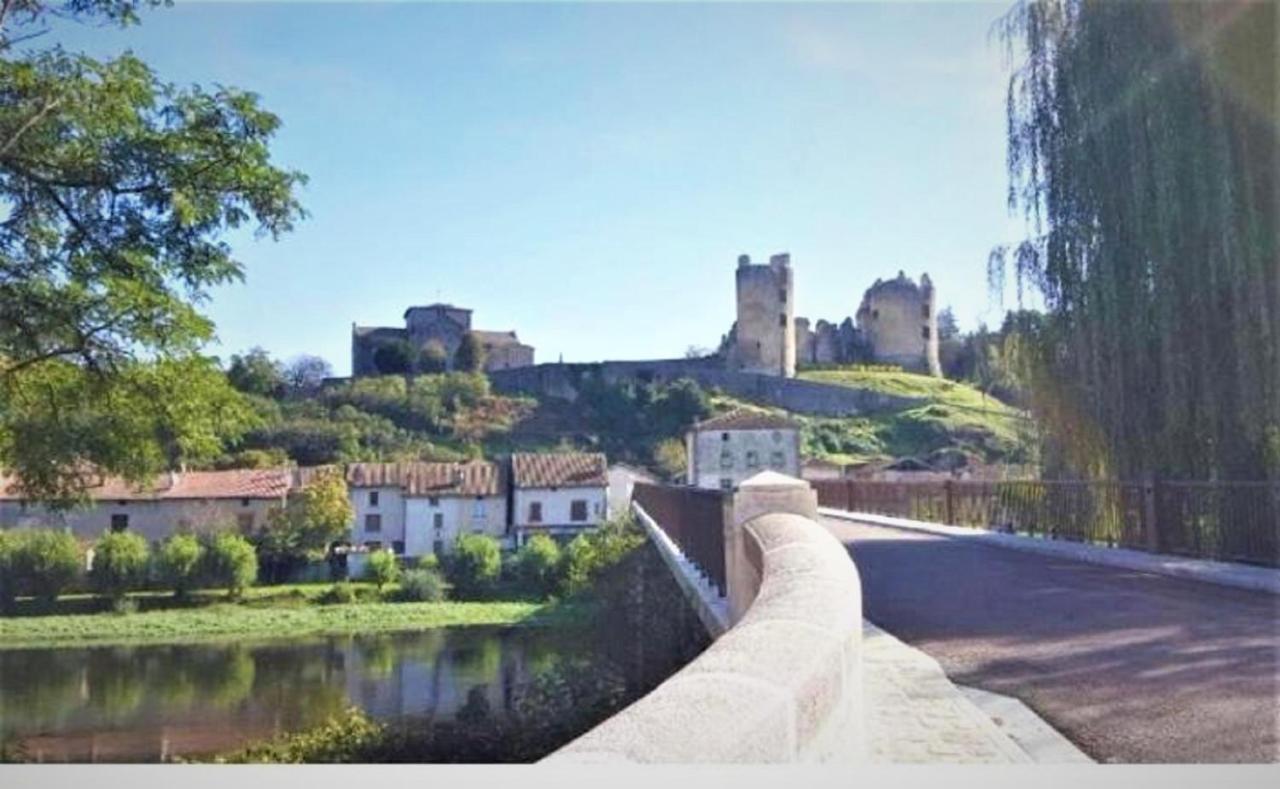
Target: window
{"x": 924, "y": 310}
{"x": 726, "y": 460}
{"x": 777, "y": 460}
{"x": 924, "y": 332}
{"x": 477, "y": 509}
{"x": 753, "y": 459}
{"x": 373, "y": 523}
{"x": 119, "y": 522}
{"x": 244, "y": 502}
{"x": 782, "y": 296}
{"x": 726, "y": 483}
{"x": 535, "y": 512}
{"x": 782, "y": 319}
{"x": 578, "y": 510}
{"x": 875, "y": 315}
{"x": 777, "y": 436}
{"x": 432, "y": 501}
{"x": 373, "y": 498}
{"x": 437, "y": 547}
{"x": 724, "y": 436}
{"x": 398, "y": 546}
{"x": 437, "y": 520}
{"x": 245, "y": 521}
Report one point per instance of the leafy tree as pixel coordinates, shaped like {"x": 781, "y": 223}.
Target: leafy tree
{"x": 1143, "y": 152}
{"x": 255, "y": 372}
{"x": 394, "y": 357}
{"x": 305, "y": 373}
{"x": 45, "y": 562}
{"x": 671, "y": 458}
{"x": 230, "y": 561}
{"x": 474, "y": 566}
{"x": 579, "y": 562}
{"x": 433, "y": 358}
{"x": 119, "y": 563}
{"x": 117, "y": 188}
{"x": 382, "y": 568}
{"x": 312, "y": 519}
{"x": 470, "y": 355}
{"x": 178, "y": 561}
{"x": 537, "y": 564}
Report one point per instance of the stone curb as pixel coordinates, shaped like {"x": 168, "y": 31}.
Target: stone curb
{"x": 1257, "y": 579}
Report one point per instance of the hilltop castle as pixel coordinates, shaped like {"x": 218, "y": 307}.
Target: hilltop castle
{"x": 896, "y": 323}
{"x": 439, "y": 325}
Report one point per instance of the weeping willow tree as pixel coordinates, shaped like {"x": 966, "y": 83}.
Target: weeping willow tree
{"x": 1143, "y": 154}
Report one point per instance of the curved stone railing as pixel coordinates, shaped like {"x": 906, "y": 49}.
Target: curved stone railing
{"x": 784, "y": 683}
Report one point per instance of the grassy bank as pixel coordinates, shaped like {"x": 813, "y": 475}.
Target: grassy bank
{"x": 222, "y": 621}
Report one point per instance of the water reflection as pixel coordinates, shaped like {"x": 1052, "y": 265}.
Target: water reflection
{"x": 470, "y": 694}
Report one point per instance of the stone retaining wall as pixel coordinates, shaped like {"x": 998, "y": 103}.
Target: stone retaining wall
{"x": 784, "y": 683}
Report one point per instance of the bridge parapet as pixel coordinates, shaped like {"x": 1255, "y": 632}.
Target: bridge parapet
{"x": 784, "y": 682}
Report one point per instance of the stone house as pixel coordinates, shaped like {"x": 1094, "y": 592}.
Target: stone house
{"x": 557, "y": 493}
{"x": 421, "y": 508}
{"x": 441, "y": 325}
{"x": 725, "y": 450}
{"x": 194, "y": 501}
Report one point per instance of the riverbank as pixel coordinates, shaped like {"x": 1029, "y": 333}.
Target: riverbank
{"x": 229, "y": 620}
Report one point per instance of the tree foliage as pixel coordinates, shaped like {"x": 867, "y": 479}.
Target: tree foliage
{"x": 255, "y": 372}
{"x": 312, "y": 519}
{"x": 119, "y": 563}
{"x": 178, "y": 561}
{"x": 470, "y": 355}
{"x": 474, "y": 565}
{"x": 116, "y": 188}
{"x": 1143, "y": 152}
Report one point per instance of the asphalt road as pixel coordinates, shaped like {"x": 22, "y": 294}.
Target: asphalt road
{"x": 1132, "y": 667}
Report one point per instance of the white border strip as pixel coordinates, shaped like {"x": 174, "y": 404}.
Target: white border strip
{"x": 1241, "y": 576}
{"x": 711, "y": 608}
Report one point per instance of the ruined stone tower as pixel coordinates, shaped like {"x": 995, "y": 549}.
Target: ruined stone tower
{"x": 899, "y": 319}
{"x": 764, "y": 338}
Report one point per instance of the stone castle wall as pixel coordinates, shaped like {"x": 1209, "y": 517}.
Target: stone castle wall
{"x": 765, "y": 332}
{"x": 900, "y": 323}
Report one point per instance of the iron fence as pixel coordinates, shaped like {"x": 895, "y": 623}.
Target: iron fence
{"x": 694, "y": 520}
{"x": 1228, "y": 521}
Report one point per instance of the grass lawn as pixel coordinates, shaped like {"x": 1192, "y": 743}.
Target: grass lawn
{"x": 266, "y": 611}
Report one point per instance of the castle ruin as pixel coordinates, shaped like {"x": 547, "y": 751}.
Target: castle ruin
{"x": 442, "y": 326}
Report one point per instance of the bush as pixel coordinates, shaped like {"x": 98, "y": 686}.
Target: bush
{"x": 429, "y": 562}
{"x": 591, "y": 554}
{"x": 382, "y": 568}
{"x": 578, "y": 564}
{"x": 340, "y": 593}
{"x": 351, "y": 737}
{"x": 230, "y": 561}
{"x": 45, "y": 562}
{"x": 421, "y": 586}
{"x": 474, "y": 566}
{"x": 119, "y": 563}
{"x": 178, "y": 562}
{"x": 8, "y": 590}
{"x": 537, "y": 565}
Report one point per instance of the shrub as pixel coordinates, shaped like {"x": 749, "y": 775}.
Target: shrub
{"x": 382, "y": 568}
{"x": 351, "y": 737}
{"x": 474, "y": 566}
{"x": 578, "y": 564}
{"x": 230, "y": 561}
{"x": 340, "y": 593}
{"x": 421, "y": 586}
{"x": 537, "y": 565}
{"x": 429, "y": 562}
{"x": 119, "y": 563}
{"x": 178, "y": 562}
{"x": 8, "y": 547}
{"x": 45, "y": 562}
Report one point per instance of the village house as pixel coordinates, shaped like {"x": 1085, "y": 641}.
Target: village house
{"x": 725, "y": 450}
{"x": 419, "y": 508}
{"x": 558, "y": 493}
{"x": 193, "y": 501}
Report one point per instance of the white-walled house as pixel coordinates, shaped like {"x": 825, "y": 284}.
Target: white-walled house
{"x": 192, "y": 501}
{"x": 422, "y": 508}
{"x": 558, "y": 493}
{"x": 725, "y": 450}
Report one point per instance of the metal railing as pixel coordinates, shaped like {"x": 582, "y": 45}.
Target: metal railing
{"x": 694, "y": 519}
{"x": 1228, "y": 521}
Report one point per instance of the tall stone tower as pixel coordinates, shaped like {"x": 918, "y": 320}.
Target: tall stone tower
{"x": 899, "y": 319}
{"x": 765, "y": 335}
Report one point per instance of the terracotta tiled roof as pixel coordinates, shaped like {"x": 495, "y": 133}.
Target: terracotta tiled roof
{"x": 559, "y": 469}
{"x": 476, "y": 478}
{"x": 742, "y": 419}
{"x": 271, "y": 483}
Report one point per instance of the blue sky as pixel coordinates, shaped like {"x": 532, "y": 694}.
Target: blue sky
{"x": 587, "y": 174}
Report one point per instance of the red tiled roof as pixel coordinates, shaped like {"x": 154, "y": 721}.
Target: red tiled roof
{"x": 475, "y": 478}
{"x": 742, "y": 419}
{"x": 559, "y": 469}
{"x": 271, "y": 483}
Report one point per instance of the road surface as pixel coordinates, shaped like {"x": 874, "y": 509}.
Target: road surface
{"x": 1132, "y": 667}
